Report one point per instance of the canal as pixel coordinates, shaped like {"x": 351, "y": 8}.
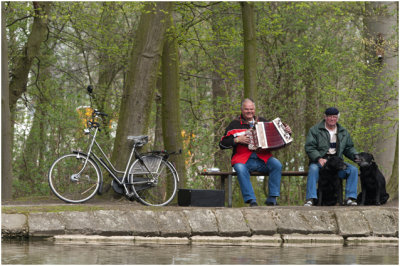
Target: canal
{"x": 49, "y": 252}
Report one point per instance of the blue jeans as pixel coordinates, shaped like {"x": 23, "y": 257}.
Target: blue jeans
{"x": 273, "y": 167}
{"x": 351, "y": 174}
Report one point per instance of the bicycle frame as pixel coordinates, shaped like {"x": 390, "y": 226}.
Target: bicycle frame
{"x": 112, "y": 171}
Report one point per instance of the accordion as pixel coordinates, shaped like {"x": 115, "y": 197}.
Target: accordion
{"x": 268, "y": 135}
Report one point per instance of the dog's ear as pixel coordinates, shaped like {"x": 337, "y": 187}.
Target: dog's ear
{"x": 373, "y": 159}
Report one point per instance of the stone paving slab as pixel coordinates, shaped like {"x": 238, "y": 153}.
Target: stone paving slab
{"x": 14, "y": 224}
{"x": 112, "y": 222}
{"x": 313, "y": 239}
{"x": 231, "y": 223}
{"x": 381, "y": 222}
{"x": 319, "y": 222}
{"x": 163, "y": 240}
{"x": 290, "y": 221}
{"x": 260, "y": 223}
{"x": 352, "y": 223}
{"x": 45, "y": 224}
{"x": 202, "y": 221}
{"x": 79, "y": 222}
{"x": 94, "y": 239}
{"x": 173, "y": 223}
{"x": 143, "y": 223}
{"x": 274, "y": 240}
{"x": 372, "y": 239}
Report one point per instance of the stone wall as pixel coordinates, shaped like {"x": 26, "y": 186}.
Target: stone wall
{"x": 218, "y": 225}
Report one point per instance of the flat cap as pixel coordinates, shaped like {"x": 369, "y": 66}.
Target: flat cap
{"x": 331, "y": 111}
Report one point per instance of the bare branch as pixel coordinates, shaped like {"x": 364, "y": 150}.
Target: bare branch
{"x": 17, "y": 20}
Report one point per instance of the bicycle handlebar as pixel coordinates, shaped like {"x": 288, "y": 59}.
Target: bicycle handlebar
{"x": 92, "y": 124}
{"x": 96, "y": 112}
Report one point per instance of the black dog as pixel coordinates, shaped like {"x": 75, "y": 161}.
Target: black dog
{"x": 373, "y": 184}
{"x": 330, "y": 190}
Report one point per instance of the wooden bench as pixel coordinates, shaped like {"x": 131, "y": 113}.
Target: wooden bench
{"x": 228, "y": 175}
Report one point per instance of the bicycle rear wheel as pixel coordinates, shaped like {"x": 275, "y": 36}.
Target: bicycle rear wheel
{"x": 65, "y": 182}
{"x": 157, "y": 187}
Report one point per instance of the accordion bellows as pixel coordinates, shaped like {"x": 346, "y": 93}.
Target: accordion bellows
{"x": 268, "y": 135}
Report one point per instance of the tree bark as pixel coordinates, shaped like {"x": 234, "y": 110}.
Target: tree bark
{"x": 170, "y": 111}
{"x": 19, "y": 76}
{"x": 393, "y": 184}
{"x": 381, "y": 30}
{"x": 158, "y": 134}
{"x": 250, "y": 50}
{"x": 31, "y": 165}
{"x": 141, "y": 79}
{"x": 6, "y": 149}
{"x": 108, "y": 68}
{"x": 219, "y": 96}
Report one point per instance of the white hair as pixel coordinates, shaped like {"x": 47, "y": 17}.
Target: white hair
{"x": 247, "y": 100}
{"x": 338, "y": 116}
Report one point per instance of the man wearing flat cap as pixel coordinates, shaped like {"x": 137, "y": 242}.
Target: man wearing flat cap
{"x": 325, "y": 139}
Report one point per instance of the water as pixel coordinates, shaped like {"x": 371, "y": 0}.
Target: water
{"x": 47, "y": 252}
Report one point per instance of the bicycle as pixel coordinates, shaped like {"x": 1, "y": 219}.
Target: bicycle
{"x": 151, "y": 178}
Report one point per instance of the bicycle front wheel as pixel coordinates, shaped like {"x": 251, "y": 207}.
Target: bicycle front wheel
{"x": 69, "y": 183}
{"x": 156, "y": 184}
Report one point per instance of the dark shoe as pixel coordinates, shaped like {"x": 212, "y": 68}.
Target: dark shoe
{"x": 253, "y": 204}
{"x": 271, "y": 201}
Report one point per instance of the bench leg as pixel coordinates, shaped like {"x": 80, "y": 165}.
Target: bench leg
{"x": 230, "y": 191}
{"x": 223, "y": 177}
{"x": 229, "y": 188}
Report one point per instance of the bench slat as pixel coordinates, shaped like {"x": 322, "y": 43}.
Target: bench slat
{"x": 284, "y": 173}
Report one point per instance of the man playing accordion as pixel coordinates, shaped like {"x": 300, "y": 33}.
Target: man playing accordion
{"x": 245, "y": 160}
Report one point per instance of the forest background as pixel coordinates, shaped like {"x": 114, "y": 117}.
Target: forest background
{"x": 177, "y": 71}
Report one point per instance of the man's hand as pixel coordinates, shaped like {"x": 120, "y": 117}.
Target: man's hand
{"x": 243, "y": 139}
{"x": 322, "y": 161}
{"x": 288, "y": 129}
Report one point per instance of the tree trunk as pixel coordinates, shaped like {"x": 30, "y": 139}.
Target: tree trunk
{"x": 158, "y": 135}
{"x": 381, "y": 35}
{"x": 30, "y": 165}
{"x": 107, "y": 66}
{"x": 141, "y": 79}
{"x": 221, "y": 157}
{"x": 38, "y": 34}
{"x": 393, "y": 184}
{"x": 219, "y": 94}
{"x": 250, "y": 51}
{"x": 170, "y": 111}
{"x": 6, "y": 149}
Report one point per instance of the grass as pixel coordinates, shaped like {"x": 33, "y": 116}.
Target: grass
{"x": 25, "y": 205}
{"x": 47, "y": 208}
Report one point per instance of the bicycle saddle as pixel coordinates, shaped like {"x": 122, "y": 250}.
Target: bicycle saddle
{"x": 139, "y": 140}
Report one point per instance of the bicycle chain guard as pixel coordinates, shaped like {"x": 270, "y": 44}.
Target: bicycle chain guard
{"x": 117, "y": 187}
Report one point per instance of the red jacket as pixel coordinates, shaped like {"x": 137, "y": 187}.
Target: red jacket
{"x": 241, "y": 153}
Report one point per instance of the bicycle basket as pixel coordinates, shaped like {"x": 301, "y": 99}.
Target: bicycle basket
{"x": 152, "y": 162}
